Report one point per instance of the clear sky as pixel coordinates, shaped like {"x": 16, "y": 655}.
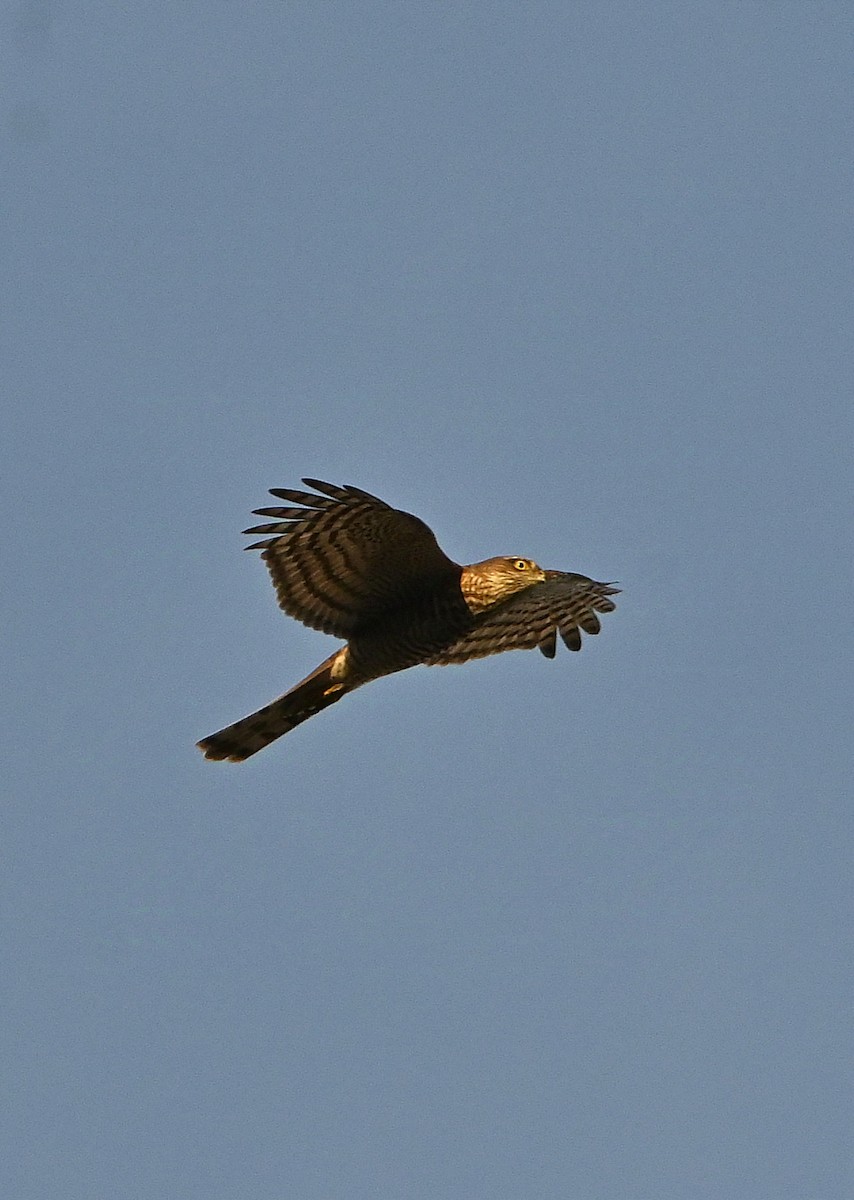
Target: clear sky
{"x": 567, "y": 280}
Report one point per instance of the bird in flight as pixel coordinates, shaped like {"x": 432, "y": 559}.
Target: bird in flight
{"x": 348, "y": 564}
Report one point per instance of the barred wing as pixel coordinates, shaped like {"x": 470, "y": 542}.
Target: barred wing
{"x": 345, "y": 558}
{"x": 563, "y": 603}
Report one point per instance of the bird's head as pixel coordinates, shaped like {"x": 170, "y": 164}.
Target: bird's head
{"x": 493, "y": 580}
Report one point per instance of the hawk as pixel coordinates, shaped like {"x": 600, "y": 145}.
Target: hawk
{"x": 347, "y": 563}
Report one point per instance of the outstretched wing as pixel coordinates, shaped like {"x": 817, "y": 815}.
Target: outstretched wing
{"x": 344, "y": 558}
{"x": 562, "y": 603}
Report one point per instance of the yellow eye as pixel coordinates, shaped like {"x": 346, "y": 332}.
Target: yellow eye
{"x": 521, "y": 564}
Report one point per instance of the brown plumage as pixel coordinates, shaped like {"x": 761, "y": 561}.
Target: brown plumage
{"x": 346, "y": 563}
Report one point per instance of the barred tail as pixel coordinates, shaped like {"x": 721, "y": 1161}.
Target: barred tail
{"x": 246, "y": 737}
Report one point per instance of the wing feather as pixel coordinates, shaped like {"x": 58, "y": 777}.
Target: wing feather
{"x": 344, "y": 558}
{"x": 564, "y": 603}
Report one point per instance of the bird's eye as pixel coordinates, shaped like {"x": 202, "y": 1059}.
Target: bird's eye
{"x": 521, "y": 564}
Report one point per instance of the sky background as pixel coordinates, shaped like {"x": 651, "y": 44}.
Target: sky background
{"x": 570, "y": 281}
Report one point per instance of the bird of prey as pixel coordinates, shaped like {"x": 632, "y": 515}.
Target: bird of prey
{"x": 346, "y": 563}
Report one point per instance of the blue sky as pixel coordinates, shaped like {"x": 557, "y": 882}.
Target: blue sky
{"x": 567, "y": 281}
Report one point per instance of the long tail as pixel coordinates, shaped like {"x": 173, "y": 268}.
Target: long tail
{"x": 246, "y": 737}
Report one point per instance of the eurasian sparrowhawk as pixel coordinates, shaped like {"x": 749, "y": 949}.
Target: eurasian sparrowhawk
{"x": 348, "y": 564}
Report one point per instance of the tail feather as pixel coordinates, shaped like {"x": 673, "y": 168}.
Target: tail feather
{"x": 246, "y": 737}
